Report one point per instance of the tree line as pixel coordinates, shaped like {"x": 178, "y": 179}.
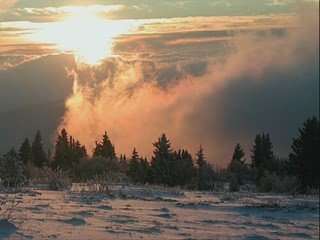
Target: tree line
{"x": 168, "y": 166}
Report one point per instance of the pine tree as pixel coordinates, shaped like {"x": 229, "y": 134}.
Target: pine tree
{"x": 237, "y": 166}
{"x": 160, "y": 162}
{"x": 262, "y": 153}
{"x": 205, "y": 172}
{"x": 68, "y": 151}
{"x": 11, "y": 170}
{"x": 183, "y": 169}
{"x": 25, "y": 152}
{"x": 39, "y": 155}
{"x": 123, "y": 164}
{"x": 304, "y": 158}
{"x": 238, "y": 153}
{"x": 62, "y": 151}
{"x": 134, "y": 166}
{"x": 105, "y": 148}
{"x": 200, "y": 157}
{"x": 144, "y": 170}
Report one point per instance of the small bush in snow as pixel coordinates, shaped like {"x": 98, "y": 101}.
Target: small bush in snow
{"x": 57, "y": 179}
{"x": 11, "y": 170}
{"x": 271, "y": 182}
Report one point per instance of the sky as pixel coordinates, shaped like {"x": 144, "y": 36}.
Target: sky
{"x": 210, "y": 72}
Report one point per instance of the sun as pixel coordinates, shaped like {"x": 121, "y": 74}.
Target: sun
{"x": 89, "y": 37}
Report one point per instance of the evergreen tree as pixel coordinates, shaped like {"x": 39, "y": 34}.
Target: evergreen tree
{"x": 238, "y": 153}
{"x": 262, "y": 153}
{"x": 134, "y": 166}
{"x": 39, "y": 155}
{"x": 11, "y": 170}
{"x": 237, "y": 166}
{"x": 205, "y": 172}
{"x": 123, "y": 164}
{"x": 25, "y": 152}
{"x": 161, "y": 161}
{"x": 200, "y": 157}
{"x": 62, "y": 151}
{"x": 105, "y": 148}
{"x": 144, "y": 170}
{"x": 205, "y": 177}
{"x": 304, "y": 158}
{"x": 68, "y": 151}
{"x": 183, "y": 169}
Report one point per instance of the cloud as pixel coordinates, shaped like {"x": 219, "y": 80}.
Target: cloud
{"x": 32, "y": 96}
{"x": 257, "y": 87}
{"x": 45, "y": 14}
{"x": 6, "y": 4}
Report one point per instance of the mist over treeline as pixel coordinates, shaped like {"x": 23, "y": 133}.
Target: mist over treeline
{"x": 171, "y": 167}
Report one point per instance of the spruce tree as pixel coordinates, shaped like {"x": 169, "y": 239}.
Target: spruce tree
{"x": 25, "y": 152}
{"x": 134, "y": 166}
{"x": 263, "y": 158}
{"x": 124, "y": 164}
{"x": 262, "y": 153}
{"x": 144, "y": 170}
{"x": 183, "y": 169}
{"x": 238, "y": 153}
{"x": 62, "y": 151}
{"x": 205, "y": 172}
{"x": 38, "y": 153}
{"x": 160, "y": 162}
{"x": 105, "y": 148}
{"x": 200, "y": 157}
{"x": 237, "y": 166}
{"x": 304, "y": 158}
{"x": 68, "y": 151}
{"x": 11, "y": 169}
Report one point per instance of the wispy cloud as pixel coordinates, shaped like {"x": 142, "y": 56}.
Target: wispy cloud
{"x": 6, "y": 4}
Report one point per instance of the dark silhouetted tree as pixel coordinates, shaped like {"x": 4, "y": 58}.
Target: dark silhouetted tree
{"x": 237, "y": 166}
{"x": 134, "y": 166}
{"x": 205, "y": 177}
{"x": 105, "y": 148}
{"x": 205, "y": 173}
{"x": 68, "y": 151}
{"x": 262, "y": 153}
{"x": 11, "y": 169}
{"x": 304, "y": 158}
{"x": 38, "y": 153}
{"x": 124, "y": 164}
{"x": 144, "y": 170}
{"x": 161, "y": 161}
{"x": 183, "y": 170}
{"x": 25, "y": 152}
{"x": 200, "y": 157}
{"x": 238, "y": 153}
{"x": 61, "y": 152}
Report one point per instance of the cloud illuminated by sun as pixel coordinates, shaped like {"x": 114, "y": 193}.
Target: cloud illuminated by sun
{"x": 87, "y": 35}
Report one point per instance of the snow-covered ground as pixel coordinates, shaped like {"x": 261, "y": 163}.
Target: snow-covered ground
{"x": 142, "y": 212}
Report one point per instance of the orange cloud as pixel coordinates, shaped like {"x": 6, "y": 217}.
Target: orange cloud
{"x": 135, "y": 112}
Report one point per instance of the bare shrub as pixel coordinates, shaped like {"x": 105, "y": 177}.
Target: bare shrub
{"x": 6, "y": 207}
{"x": 57, "y": 179}
{"x": 101, "y": 182}
{"x": 271, "y": 182}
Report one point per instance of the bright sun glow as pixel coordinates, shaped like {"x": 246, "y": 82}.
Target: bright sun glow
{"x": 88, "y": 36}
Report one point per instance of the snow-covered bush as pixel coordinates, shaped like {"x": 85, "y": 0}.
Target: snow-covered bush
{"x": 11, "y": 170}
{"x": 57, "y": 179}
{"x": 271, "y": 182}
